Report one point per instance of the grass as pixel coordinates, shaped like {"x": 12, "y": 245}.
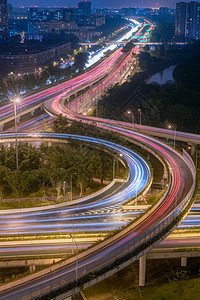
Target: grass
{"x": 158, "y": 168}
{"x": 30, "y": 200}
{"x": 160, "y": 283}
{"x": 57, "y": 235}
{"x": 162, "y": 292}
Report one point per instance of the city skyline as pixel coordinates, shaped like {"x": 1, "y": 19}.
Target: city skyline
{"x": 98, "y": 3}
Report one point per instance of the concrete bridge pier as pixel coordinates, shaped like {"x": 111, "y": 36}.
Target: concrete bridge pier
{"x": 32, "y": 112}
{"x": 192, "y": 148}
{"x": 32, "y": 268}
{"x": 183, "y": 261}
{"x": 142, "y": 270}
{"x": 1, "y": 127}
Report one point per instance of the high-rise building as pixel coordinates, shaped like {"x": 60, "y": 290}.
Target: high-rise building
{"x": 181, "y": 20}
{"x": 193, "y": 20}
{"x": 84, "y": 13}
{"x": 10, "y": 11}
{"x": 4, "y": 32}
{"x": 84, "y": 8}
{"x": 187, "y": 20}
{"x": 33, "y": 14}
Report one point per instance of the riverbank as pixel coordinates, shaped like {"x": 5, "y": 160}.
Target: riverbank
{"x": 162, "y": 77}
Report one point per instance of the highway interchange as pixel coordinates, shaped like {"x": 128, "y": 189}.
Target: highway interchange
{"x": 177, "y": 196}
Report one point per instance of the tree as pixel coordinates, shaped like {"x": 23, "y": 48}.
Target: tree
{"x": 146, "y": 48}
{"x": 180, "y": 279}
{"x": 144, "y": 60}
{"x": 60, "y": 125}
{"x": 128, "y": 47}
{"x": 80, "y": 60}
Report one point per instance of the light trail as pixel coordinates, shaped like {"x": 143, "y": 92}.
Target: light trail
{"x": 138, "y": 178}
{"x": 129, "y": 239}
{"x": 94, "y": 58}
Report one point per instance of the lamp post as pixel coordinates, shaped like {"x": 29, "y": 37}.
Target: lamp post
{"x": 71, "y": 184}
{"x": 196, "y": 157}
{"x": 140, "y": 115}
{"x": 96, "y": 107}
{"x": 136, "y": 197}
{"x": 172, "y": 127}
{"x": 64, "y": 188}
{"x": 15, "y": 101}
{"x": 132, "y": 116}
{"x": 73, "y": 239}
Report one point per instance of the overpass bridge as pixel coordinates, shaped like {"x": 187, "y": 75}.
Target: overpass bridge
{"x": 131, "y": 243}
{"x": 143, "y": 43}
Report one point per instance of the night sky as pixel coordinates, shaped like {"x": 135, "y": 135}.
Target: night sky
{"x": 97, "y": 3}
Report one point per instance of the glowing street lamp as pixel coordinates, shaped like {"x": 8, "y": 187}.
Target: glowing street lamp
{"x": 140, "y": 115}
{"x": 132, "y": 116}
{"x": 15, "y": 101}
{"x": 64, "y": 188}
{"x": 172, "y": 127}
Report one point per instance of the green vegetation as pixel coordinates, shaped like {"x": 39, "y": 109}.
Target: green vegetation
{"x": 128, "y": 47}
{"x": 163, "y": 32}
{"x": 10, "y": 274}
{"x": 46, "y": 168}
{"x": 80, "y": 60}
{"x": 171, "y": 283}
{"x": 56, "y": 235}
{"x": 12, "y": 86}
{"x": 92, "y": 275}
{"x": 187, "y": 74}
{"x": 176, "y": 104}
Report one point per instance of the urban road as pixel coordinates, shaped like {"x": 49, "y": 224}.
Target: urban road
{"x": 181, "y": 185}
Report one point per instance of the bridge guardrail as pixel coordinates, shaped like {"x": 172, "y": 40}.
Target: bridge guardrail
{"x": 121, "y": 250}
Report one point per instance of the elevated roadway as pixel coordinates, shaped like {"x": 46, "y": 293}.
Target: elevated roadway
{"x": 173, "y": 246}
{"x": 59, "y": 218}
{"x": 57, "y": 107}
{"x": 182, "y": 174}
{"x": 34, "y": 101}
{"x": 130, "y": 243}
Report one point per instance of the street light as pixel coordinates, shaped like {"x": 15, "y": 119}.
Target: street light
{"x": 96, "y": 107}
{"x": 15, "y": 101}
{"x": 73, "y": 239}
{"x": 136, "y": 196}
{"x": 172, "y": 127}
{"x": 71, "y": 184}
{"x": 64, "y": 188}
{"x": 140, "y": 115}
{"x": 132, "y": 116}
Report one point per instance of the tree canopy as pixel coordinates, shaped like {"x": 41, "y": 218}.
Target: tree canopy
{"x": 47, "y": 168}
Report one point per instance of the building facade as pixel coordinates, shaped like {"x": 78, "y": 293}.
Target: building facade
{"x": 187, "y": 25}
{"x": 83, "y": 33}
{"x": 4, "y": 32}
{"x": 46, "y": 27}
{"x": 29, "y": 63}
{"x": 84, "y": 8}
